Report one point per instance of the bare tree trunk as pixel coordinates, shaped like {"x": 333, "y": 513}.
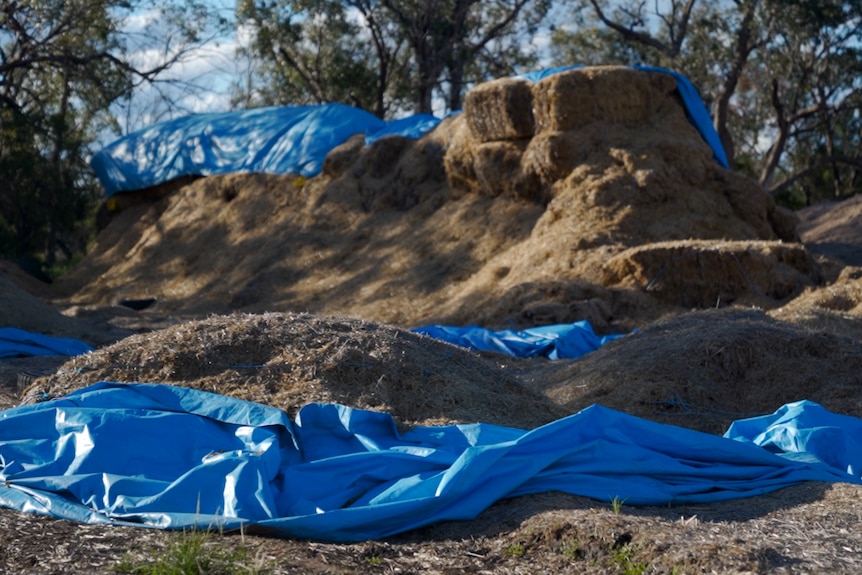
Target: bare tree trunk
{"x": 777, "y": 148}
{"x": 744, "y": 47}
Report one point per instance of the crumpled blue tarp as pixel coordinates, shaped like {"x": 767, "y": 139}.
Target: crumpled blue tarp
{"x": 16, "y": 342}
{"x": 695, "y": 109}
{"x": 277, "y": 140}
{"x": 559, "y": 341}
{"x": 170, "y": 457}
{"x": 284, "y": 140}
{"x": 414, "y": 127}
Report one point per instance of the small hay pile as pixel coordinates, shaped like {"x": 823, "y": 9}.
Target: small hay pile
{"x": 834, "y": 229}
{"x": 704, "y": 369}
{"x": 289, "y": 360}
{"x": 835, "y": 307}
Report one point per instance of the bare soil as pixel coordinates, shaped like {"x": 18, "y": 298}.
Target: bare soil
{"x": 286, "y": 290}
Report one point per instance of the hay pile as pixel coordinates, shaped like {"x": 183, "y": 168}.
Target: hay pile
{"x": 704, "y": 369}
{"x": 521, "y": 199}
{"x": 834, "y": 229}
{"x": 289, "y": 360}
{"x": 577, "y": 197}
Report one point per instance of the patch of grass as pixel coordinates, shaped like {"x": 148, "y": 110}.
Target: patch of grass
{"x": 617, "y": 504}
{"x": 515, "y": 550}
{"x": 622, "y": 558}
{"x": 194, "y": 553}
{"x": 374, "y": 560}
{"x": 572, "y": 550}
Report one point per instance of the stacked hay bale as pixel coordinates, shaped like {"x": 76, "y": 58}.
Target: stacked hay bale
{"x": 610, "y": 155}
{"x": 602, "y": 140}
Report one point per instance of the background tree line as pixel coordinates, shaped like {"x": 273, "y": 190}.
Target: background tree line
{"x": 781, "y": 78}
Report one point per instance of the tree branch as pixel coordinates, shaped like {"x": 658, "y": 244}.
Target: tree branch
{"x": 820, "y": 164}
{"x": 631, "y": 34}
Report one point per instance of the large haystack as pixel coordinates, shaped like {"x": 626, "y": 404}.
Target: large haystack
{"x": 519, "y": 201}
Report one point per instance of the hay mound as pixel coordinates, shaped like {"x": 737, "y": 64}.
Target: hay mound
{"x": 614, "y": 151}
{"x": 835, "y": 307}
{"x": 834, "y": 229}
{"x": 454, "y": 227}
{"x": 705, "y": 369}
{"x": 698, "y": 274}
{"x": 289, "y": 360}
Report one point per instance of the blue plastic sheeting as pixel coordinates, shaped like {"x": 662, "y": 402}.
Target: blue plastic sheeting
{"x": 170, "y": 457}
{"x": 16, "y": 342}
{"x": 560, "y": 341}
{"x": 414, "y": 127}
{"x": 285, "y": 140}
{"x": 695, "y": 110}
{"x": 275, "y": 140}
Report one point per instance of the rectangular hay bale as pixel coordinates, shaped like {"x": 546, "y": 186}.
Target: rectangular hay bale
{"x": 500, "y": 110}
{"x": 606, "y": 94}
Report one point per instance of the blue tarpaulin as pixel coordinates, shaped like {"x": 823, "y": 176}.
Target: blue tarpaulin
{"x": 559, "y": 341}
{"x": 283, "y": 140}
{"x": 170, "y": 457}
{"x": 276, "y": 140}
{"x": 16, "y": 342}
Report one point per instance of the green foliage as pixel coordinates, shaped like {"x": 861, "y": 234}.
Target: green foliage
{"x": 617, "y": 504}
{"x": 572, "y": 550}
{"x": 383, "y": 55}
{"x": 63, "y": 64}
{"x": 515, "y": 550}
{"x": 194, "y": 553}
{"x": 622, "y": 557}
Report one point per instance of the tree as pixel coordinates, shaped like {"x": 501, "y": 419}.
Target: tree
{"x": 381, "y": 55}
{"x": 63, "y": 64}
{"x": 314, "y": 52}
{"x": 781, "y": 77}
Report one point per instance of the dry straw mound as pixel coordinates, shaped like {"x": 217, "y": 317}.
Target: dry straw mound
{"x": 834, "y": 229}
{"x": 457, "y": 227}
{"x": 289, "y": 360}
{"x": 704, "y": 369}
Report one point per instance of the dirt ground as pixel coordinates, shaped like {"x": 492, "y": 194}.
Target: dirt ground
{"x": 532, "y": 207}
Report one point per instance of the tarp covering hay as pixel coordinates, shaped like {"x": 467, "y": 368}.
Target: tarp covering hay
{"x": 365, "y": 240}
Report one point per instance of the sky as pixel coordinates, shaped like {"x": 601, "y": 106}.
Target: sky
{"x": 200, "y": 83}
